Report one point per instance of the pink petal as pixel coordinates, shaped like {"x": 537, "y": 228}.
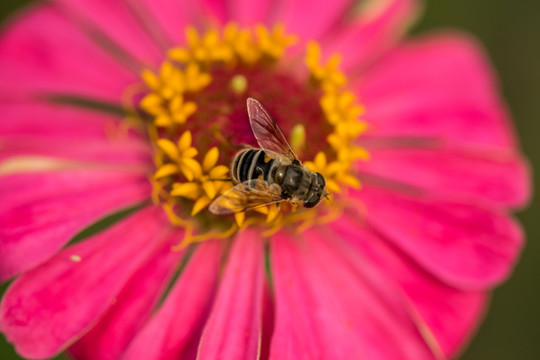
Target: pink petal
{"x": 248, "y": 13}
{"x": 466, "y": 245}
{"x": 41, "y": 212}
{"x": 171, "y": 16}
{"x": 56, "y": 60}
{"x": 374, "y": 30}
{"x": 213, "y": 11}
{"x": 439, "y": 87}
{"x": 46, "y": 119}
{"x": 49, "y": 307}
{"x": 330, "y": 307}
{"x": 132, "y": 307}
{"x": 168, "y": 334}
{"x": 233, "y": 330}
{"x": 70, "y": 133}
{"x": 310, "y": 19}
{"x": 118, "y": 23}
{"x": 268, "y": 318}
{"x": 94, "y": 151}
{"x": 447, "y": 315}
{"x": 500, "y": 176}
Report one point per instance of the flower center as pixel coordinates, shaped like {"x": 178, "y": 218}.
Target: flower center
{"x": 194, "y": 110}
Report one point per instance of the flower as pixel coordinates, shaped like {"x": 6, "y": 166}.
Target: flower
{"x": 117, "y": 106}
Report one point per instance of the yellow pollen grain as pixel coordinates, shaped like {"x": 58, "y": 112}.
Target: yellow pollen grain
{"x": 205, "y": 184}
{"x": 298, "y": 138}
{"x": 239, "y": 84}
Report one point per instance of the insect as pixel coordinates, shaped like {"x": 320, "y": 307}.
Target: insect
{"x": 271, "y": 174}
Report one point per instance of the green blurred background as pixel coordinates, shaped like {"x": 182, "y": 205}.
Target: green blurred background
{"x": 510, "y": 31}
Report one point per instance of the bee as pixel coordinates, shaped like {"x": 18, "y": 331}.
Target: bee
{"x": 271, "y": 174}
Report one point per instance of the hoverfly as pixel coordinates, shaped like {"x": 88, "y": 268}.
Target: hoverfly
{"x": 271, "y": 174}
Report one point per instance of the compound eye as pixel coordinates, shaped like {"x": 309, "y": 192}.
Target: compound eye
{"x": 312, "y": 201}
{"x": 321, "y": 181}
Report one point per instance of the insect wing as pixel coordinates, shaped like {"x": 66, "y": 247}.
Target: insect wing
{"x": 266, "y": 130}
{"x": 246, "y": 196}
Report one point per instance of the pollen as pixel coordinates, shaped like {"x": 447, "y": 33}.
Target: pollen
{"x": 193, "y": 109}
{"x": 298, "y": 138}
{"x": 206, "y": 184}
{"x": 178, "y": 158}
{"x": 327, "y": 75}
{"x": 239, "y": 84}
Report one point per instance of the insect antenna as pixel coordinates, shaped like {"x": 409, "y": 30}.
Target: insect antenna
{"x": 326, "y": 195}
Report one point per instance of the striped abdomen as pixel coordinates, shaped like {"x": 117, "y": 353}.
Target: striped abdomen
{"x": 252, "y": 164}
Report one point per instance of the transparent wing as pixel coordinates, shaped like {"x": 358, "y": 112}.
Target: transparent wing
{"x": 266, "y": 130}
{"x": 246, "y": 196}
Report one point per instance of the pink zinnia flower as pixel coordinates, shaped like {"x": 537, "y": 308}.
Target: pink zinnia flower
{"x": 110, "y": 105}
